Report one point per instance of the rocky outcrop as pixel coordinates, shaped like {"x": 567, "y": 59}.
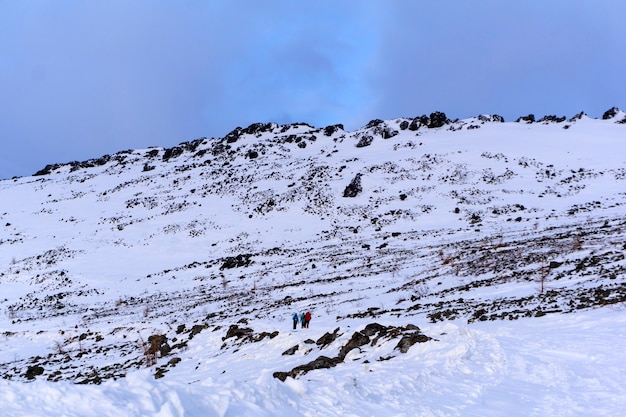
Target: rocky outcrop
{"x": 437, "y": 119}
{"x": 330, "y": 130}
{"x": 610, "y": 113}
{"x": 371, "y": 335}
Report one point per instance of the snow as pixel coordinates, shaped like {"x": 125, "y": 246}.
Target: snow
{"x": 569, "y": 365}
{"x": 96, "y": 260}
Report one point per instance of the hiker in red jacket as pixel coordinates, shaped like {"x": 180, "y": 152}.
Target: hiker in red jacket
{"x": 307, "y": 319}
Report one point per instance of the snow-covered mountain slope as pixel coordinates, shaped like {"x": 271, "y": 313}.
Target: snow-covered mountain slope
{"x": 428, "y": 251}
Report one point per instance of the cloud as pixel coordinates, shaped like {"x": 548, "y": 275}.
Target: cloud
{"x": 80, "y": 79}
{"x": 88, "y": 78}
{"x": 501, "y": 57}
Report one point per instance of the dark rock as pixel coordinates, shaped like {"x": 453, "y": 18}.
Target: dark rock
{"x": 354, "y": 188}
{"x": 491, "y": 118}
{"x": 322, "y": 362}
{"x": 263, "y": 335}
{"x": 374, "y": 123}
{"x": 365, "y": 140}
{"x": 233, "y": 135}
{"x": 330, "y": 130}
{"x": 47, "y": 170}
{"x": 237, "y": 332}
{"x": 33, "y": 371}
{"x": 255, "y": 128}
{"x": 610, "y": 113}
{"x": 415, "y": 124}
{"x": 404, "y": 125}
{"x": 191, "y": 146}
{"x": 291, "y": 350}
{"x": 437, "y": 119}
{"x": 407, "y": 341}
{"x": 172, "y": 153}
{"x": 281, "y": 375}
{"x": 157, "y": 343}
{"x": 552, "y": 118}
{"x": 358, "y": 339}
{"x": 173, "y": 362}
{"x": 238, "y": 261}
{"x": 528, "y": 119}
{"x": 219, "y": 148}
{"x": 374, "y": 328}
{"x": 388, "y": 133}
{"x": 196, "y": 329}
{"x": 327, "y": 338}
{"x": 160, "y": 373}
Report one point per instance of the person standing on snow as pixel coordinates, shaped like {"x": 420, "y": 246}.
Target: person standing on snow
{"x": 302, "y": 320}
{"x": 307, "y": 319}
{"x": 295, "y": 320}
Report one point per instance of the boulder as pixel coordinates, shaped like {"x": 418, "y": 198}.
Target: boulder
{"x": 409, "y": 340}
{"x": 357, "y": 340}
{"x": 437, "y": 119}
{"x": 354, "y": 188}
{"x": 327, "y": 339}
{"x": 33, "y": 371}
{"x": 365, "y": 140}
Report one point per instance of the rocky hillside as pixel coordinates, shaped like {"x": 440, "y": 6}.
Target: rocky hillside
{"x": 123, "y": 261}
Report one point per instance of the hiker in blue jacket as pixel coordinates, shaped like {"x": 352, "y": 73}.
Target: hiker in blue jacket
{"x": 302, "y": 320}
{"x": 295, "y": 320}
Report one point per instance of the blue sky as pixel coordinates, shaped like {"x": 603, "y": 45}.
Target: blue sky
{"x": 80, "y": 79}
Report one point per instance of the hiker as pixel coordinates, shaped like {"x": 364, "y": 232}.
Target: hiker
{"x": 302, "y": 320}
{"x": 307, "y": 319}
{"x": 295, "y": 320}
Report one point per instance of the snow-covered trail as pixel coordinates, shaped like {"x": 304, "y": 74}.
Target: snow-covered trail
{"x": 568, "y": 365}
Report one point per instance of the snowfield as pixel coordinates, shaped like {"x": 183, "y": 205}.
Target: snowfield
{"x": 556, "y": 365}
{"x": 453, "y": 268}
